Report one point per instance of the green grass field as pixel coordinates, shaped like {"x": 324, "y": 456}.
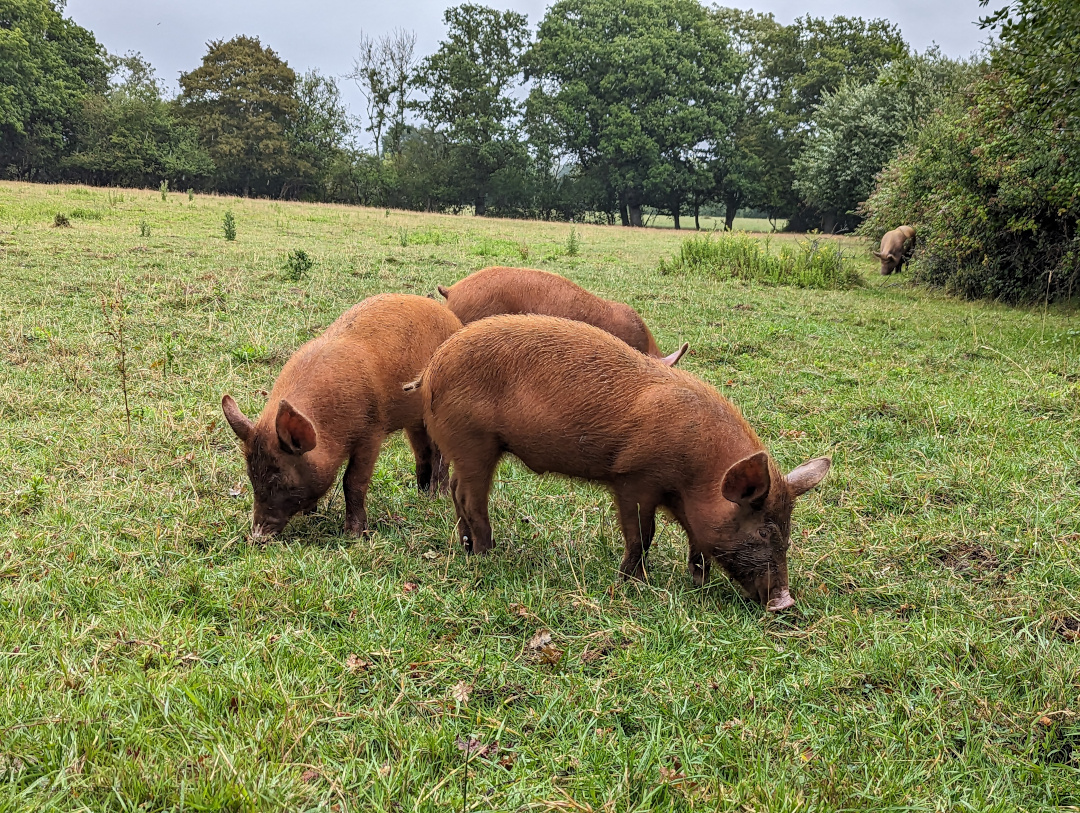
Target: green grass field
{"x": 152, "y": 658}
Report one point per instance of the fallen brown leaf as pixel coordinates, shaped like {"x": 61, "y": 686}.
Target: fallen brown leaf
{"x": 461, "y": 691}
{"x": 474, "y": 748}
{"x": 409, "y": 587}
{"x": 310, "y": 775}
{"x": 540, "y": 640}
{"x": 355, "y": 664}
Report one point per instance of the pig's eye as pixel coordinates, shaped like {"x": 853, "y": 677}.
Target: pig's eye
{"x": 764, "y": 533}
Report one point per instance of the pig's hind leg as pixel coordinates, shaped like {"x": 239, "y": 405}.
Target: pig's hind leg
{"x": 470, "y": 485}
{"x": 638, "y": 523}
{"x": 356, "y": 482}
{"x": 429, "y": 463}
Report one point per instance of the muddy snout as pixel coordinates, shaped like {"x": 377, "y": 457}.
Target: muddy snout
{"x": 265, "y": 525}
{"x": 770, "y": 592}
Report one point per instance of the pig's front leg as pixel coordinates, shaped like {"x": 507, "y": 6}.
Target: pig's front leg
{"x": 638, "y": 523}
{"x": 356, "y": 482}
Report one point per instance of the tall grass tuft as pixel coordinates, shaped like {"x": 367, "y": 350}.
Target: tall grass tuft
{"x": 813, "y": 264}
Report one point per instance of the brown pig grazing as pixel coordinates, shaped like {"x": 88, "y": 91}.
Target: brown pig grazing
{"x": 500, "y": 290}
{"x": 335, "y": 400}
{"x": 896, "y": 248}
{"x": 569, "y": 398}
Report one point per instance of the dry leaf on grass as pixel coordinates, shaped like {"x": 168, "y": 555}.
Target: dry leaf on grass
{"x": 431, "y": 554}
{"x": 310, "y": 775}
{"x": 474, "y": 748}
{"x": 355, "y": 664}
{"x": 236, "y": 490}
{"x": 540, "y": 640}
{"x": 542, "y": 650}
{"x": 409, "y": 587}
{"x": 461, "y": 691}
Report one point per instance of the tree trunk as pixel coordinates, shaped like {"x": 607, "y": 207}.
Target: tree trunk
{"x": 633, "y": 207}
{"x": 623, "y": 213}
{"x": 828, "y": 222}
{"x": 675, "y": 215}
{"x": 480, "y": 204}
{"x": 729, "y": 217}
{"x": 697, "y": 218}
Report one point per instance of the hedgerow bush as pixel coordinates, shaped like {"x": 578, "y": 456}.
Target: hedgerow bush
{"x": 992, "y": 183}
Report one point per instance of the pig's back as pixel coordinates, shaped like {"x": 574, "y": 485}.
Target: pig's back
{"x": 361, "y": 361}
{"x": 564, "y": 396}
{"x": 502, "y": 291}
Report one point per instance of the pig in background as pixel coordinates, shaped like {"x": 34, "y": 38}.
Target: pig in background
{"x": 896, "y": 249}
{"x": 569, "y": 398}
{"x": 500, "y": 290}
{"x": 336, "y": 399}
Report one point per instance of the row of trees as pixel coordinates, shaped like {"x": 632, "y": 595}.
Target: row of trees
{"x": 608, "y": 109}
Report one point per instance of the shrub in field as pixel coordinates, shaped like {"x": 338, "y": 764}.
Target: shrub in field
{"x": 164, "y": 190}
{"x": 996, "y": 206}
{"x": 229, "y": 226}
{"x": 992, "y": 182}
{"x": 573, "y": 245}
{"x": 61, "y": 221}
{"x": 86, "y": 214}
{"x": 144, "y": 229}
{"x": 813, "y": 264}
{"x": 297, "y": 264}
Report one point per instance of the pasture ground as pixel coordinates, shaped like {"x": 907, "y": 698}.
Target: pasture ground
{"x": 152, "y": 658}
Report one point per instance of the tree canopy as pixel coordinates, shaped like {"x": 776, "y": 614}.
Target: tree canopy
{"x": 241, "y": 100}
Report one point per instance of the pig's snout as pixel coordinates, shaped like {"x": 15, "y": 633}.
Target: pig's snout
{"x": 772, "y": 592}
{"x": 781, "y": 601}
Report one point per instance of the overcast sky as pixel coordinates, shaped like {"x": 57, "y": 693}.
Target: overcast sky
{"x": 172, "y": 34}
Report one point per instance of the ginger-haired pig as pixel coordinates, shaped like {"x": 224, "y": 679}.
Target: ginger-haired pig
{"x": 335, "y": 400}
{"x": 569, "y": 398}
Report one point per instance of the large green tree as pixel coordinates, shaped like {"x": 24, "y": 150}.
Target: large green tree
{"x": 130, "y": 136}
{"x": 48, "y": 65}
{"x": 242, "y": 100}
{"x": 638, "y": 90}
{"x": 468, "y": 84}
{"x": 858, "y": 129}
{"x": 317, "y": 132}
{"x": 738, "y": 168}
{"x": 801, "y": 62}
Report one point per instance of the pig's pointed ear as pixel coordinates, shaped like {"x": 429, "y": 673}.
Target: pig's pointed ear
{"x": 444, "y": 291}
{"x": 294, "y": 430}
{"x": 808, "y": 475}
{"x": 747, "y": 481}
{"x": 876, "y": 254}
{"x": 240, "y": 423}
{"x": 673, "y": 359}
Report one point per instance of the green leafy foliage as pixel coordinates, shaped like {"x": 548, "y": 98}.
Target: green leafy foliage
{"x": 48, "y": 66}
{"x": 859, "y": 128}
{"x": 228, "y": 226}
{"x": 129, "y": 135}
{"x": 468, "y": 84}
{"x": 992, "y": 181}
{"x": 632, "y": 90}
{"x": 809, "y": 264}
{"x": 297, "y": 265}
{"x": 241, "y": 101}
